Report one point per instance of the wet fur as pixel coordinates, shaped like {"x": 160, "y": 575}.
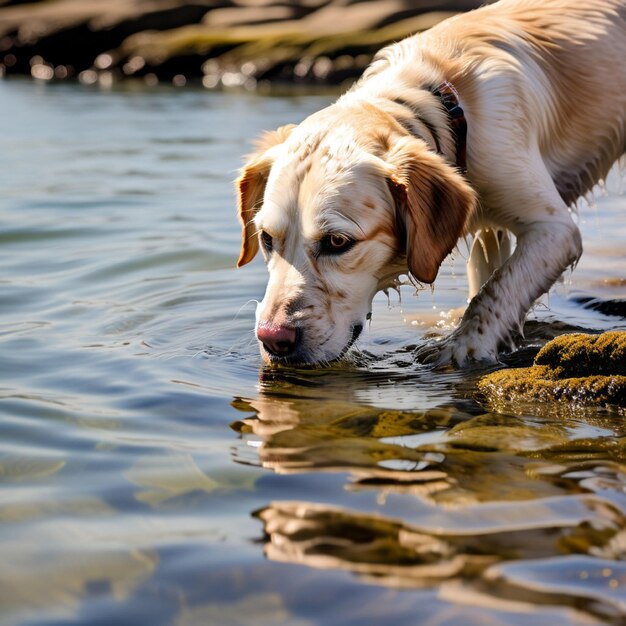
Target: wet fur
{"x": 543, "y": 87}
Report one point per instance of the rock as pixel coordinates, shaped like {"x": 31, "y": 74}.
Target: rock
{"x": 578, "y": 369}
{"x": 616, "y": 308}
{"x": 73, "y": 33}
{"x": 221, "y": 42}
{"x": 580, "y": 354}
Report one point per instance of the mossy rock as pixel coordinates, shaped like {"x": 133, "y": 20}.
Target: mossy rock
{"x": 579, "y": 369}
{"x": 580, "y": 354}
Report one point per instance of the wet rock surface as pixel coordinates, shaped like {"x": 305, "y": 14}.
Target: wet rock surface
{"x": 580, "y": 369}
{"x": 219, "y": 42}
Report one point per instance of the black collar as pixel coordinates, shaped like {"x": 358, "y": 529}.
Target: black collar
{"x": 449, "y": 97}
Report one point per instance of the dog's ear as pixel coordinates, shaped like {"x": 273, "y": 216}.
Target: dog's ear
{"x": 433, "y": 202}
{"x": 250, "y": 187}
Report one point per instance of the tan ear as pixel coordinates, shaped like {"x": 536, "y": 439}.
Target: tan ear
{"x": 433, "y": 202}
{"x": 250, "y": 188}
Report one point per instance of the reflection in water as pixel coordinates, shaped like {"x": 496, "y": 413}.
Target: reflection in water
{"x": 511, "y": 513}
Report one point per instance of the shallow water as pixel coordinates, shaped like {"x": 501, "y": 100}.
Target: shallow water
{"x": 153, "y": 473}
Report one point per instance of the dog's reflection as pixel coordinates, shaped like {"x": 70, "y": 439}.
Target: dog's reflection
{"x": 313, "y": 435}
{"x": 385, "y": 550}
{"x": 444, "y": 456}
{"x": 472, "y": 568}
{"x": 493, "y": 490}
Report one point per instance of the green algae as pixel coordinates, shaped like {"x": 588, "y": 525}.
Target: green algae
{"x": 579, "y": 369}
{"x": 580, "y": 354}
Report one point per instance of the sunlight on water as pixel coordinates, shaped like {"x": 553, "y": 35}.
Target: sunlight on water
{"x": 154, "y": 473}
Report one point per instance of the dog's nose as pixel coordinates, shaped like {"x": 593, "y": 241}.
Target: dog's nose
{"x": 278, "y": 340}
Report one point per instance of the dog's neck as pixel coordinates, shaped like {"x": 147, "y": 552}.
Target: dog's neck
{"x": 421, "y": 115}
{"x": 430, "y": 111}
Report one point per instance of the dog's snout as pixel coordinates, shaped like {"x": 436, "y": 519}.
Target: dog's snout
{"x": 278, "y": 340}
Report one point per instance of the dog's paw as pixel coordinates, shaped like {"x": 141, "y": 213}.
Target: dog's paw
{"x": 458, "y": 350}
{"x": 428, "y": 353}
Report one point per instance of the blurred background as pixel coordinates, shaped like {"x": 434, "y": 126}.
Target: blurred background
{"x": 218, "y": 42}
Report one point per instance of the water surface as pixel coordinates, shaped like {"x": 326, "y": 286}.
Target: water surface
{"x": 153, "y": 473}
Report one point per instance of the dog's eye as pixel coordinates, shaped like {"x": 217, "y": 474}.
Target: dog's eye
{"x": 335, "y": 244}
{"x": 266, "y": 240}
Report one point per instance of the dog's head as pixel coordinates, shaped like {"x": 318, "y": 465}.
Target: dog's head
{"x": 340, "y": 205}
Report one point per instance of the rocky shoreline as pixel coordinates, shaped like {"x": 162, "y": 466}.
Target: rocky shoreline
{"x": 221, "y": 43}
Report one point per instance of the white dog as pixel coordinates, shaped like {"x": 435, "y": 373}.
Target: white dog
{"x": 494, "y": 121}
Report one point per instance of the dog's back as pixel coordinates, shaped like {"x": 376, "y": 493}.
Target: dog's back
{"x": 549, "y": 70}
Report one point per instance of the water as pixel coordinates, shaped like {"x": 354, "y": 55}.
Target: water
{"x": 153, "y": 473}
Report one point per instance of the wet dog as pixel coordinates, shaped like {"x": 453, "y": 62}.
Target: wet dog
{"x": 493, "y": 122}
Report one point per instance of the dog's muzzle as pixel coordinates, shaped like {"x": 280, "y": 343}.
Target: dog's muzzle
{"x": 284, "y": 343}
{"x": 278, "y": 340}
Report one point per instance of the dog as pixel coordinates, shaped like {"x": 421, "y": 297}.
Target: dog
{"x": 492, "y": 123}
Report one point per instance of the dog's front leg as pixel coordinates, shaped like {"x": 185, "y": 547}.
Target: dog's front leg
{"x": 545, "y": 249}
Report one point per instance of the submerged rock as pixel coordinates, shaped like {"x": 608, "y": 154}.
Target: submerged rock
{"x": 581, "y": 369}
